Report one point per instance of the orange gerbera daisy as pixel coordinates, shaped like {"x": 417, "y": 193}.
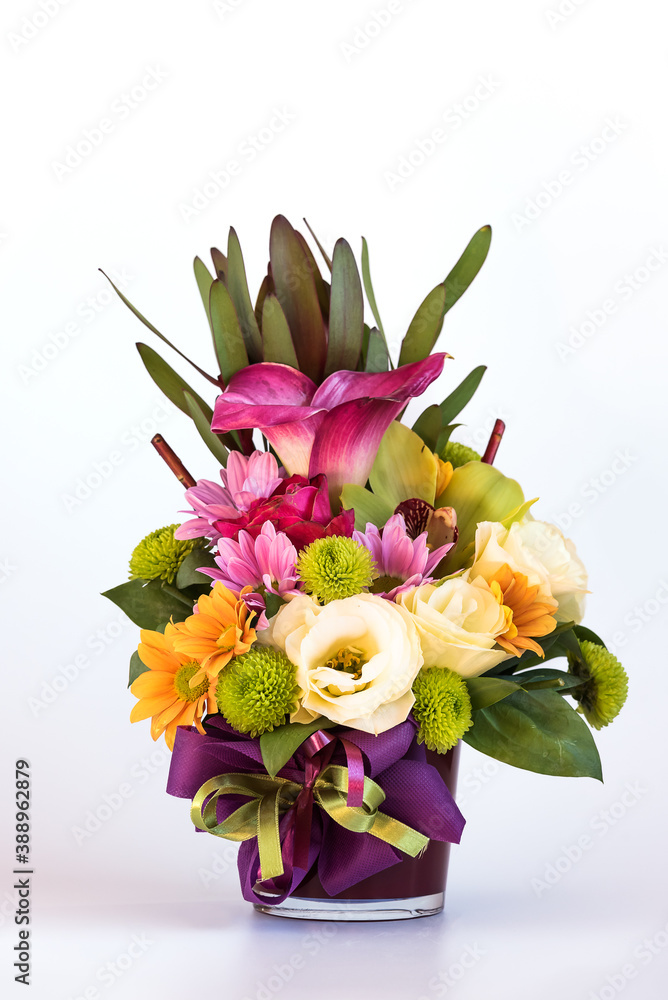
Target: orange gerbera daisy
{"x": 218, "y": 631}
{"x": 164, "y": 690}
{"x": 527, "y": 613}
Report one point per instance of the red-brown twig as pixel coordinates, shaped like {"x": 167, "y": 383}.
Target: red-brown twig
{"x": 494, "y": 442}
{"x": 173, "y": 461}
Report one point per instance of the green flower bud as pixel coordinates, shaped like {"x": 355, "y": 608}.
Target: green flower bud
{"x": 159, "y": 555}
{"x": 257, "y": 690}
{"x": 335, "y": 567}
{"x": 605, "y": 684}
{"x": 459, "y": 454}
{"x": 442, "y": 708}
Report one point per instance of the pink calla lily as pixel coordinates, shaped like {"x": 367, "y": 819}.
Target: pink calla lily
{"x": 335, "y": 428}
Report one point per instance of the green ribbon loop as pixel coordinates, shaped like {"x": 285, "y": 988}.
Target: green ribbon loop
{"x": 270, "y": 797}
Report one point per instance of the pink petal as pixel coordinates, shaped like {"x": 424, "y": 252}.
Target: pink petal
{"x": 402, "y": 383}
{"x": 263, "y": 395}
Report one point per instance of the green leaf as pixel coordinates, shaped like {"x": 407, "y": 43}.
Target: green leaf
{"x": 586, "y": 635}
{"x": 346, "y": 312}
{"x": 428, "y": 426}
{"x": 424, "y": 328}
{"x": 149, "y": 604}
{"x": 272, "y": 604}
{"x": 276, "y": 337}
{"x": 537, "y": 731}
{"x": 457, "y": 400}
{"x": 547, "y": 677}
{"x": 204, "y": 282}
{"x": 320, "y": 247}
{"x": 203, "y": 424}
{"x": 157, "y": 332}
{"x": 220, "y": 263}
{"x": 228, "y": 339}
{"x": 136, "y": 667}
{"x": 467, "y": 266}
{"x": 486, "y": 691}
{"x": 367, "y": 506}
{"x": 296, "y": 291}
{"x": 375, "y": 353}
{"x": 169, "y": 381}
{"x": 368, "y": 287}
{"x": 188, "y": 575}
{"x": 444, "y": 437}
{"x": 278, "y": 746}
{"x": 237, "y": 286}
{"x": 321, "y": 286}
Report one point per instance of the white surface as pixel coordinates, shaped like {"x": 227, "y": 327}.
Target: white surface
{"x": 550, "y": 88}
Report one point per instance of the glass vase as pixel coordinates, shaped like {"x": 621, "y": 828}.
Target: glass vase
{"x": 415, "y": 887}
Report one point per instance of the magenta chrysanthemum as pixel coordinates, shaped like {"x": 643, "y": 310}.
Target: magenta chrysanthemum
{"x": 400, "y": 561}
{"x": 244, "y": 481}
{"x": 268, "y": 561}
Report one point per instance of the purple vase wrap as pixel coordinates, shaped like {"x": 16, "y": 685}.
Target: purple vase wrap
{"x": 415, "y": 794}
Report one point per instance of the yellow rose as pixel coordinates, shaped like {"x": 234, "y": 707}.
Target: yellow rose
{"x": 356, "y": 659}
{"x": 458, "y": 622}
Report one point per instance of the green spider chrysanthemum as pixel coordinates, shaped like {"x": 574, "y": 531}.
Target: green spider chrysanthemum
{"x": 459, "y": 454}
{"x": 257, "y": 690}
{"x": 335, "y": 567}
{"x": 605, "y": 684}
{"x": 442, "y": 708}
{"x": 159, "y": 555}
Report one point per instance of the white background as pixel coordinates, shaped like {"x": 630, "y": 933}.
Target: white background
{"x": 521, "y": 94}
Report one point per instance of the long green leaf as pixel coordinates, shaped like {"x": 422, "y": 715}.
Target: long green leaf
{"x": 457, "y": 400}
{"x": 467, "y": 266}
{"x": 368, "y": 287}
{"x": 346, "y": 312}
{"x": 203, "y": 424}
{"x": 169, "y": 381}
{"x": 424, "y": 328}
{"x": 326, "y": 258}
{"x": 276, "y": 339}
{"x": 321, "y": 286}
{"x": 538, "y": 731}
{"x": 228, "y": 339}
{"x": 375, "y": 354}
{"x": 428, "y": 426}
{"x": 204, "y": 282}
{"x": 237, "y": 286}
{"x": 220, "y": 263}
{"x": 153, "y": 329}
{"x": 278, "y": 746}
{"x": 297, "y": 294}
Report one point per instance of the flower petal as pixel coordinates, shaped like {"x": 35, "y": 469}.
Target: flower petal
{"x": 402, "y": 383}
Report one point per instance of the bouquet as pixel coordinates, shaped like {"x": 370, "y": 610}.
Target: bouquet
{"x": 348, "y": 597}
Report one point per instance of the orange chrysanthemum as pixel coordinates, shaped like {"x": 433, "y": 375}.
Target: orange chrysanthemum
{"x": 527, "y": 613}
{"x": 164, "y": 690}
{"x": 220, "y": 630}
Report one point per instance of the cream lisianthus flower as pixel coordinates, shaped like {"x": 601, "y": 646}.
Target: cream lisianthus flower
{"x": 539, "y": 551}
{"x": 356, "y": 659}
{"x": 458, "y": 621}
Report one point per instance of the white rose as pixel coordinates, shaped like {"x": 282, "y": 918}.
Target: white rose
{"x": 458, "y": 622}
{"x": 539, "y": 551}
{"x": 377, "y": 640}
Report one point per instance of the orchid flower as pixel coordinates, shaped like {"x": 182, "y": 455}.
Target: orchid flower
{"x": 335, "y": 428}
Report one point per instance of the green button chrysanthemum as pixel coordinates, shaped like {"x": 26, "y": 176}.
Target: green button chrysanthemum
{"x": 605, "y": 684}
{"x": 442, "y": 708}
{"x": 459, "y": 454}
{"x": 334, "y": 568}
{"x": 159, "y": 555}
{"x": 257, "y": 690}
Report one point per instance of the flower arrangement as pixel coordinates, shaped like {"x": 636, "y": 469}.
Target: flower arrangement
{"x": 349, "y": 597}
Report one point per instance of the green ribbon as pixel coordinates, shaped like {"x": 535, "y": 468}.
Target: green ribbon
{"x": 270, "y": 797}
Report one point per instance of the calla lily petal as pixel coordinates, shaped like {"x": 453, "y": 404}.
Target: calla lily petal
{"x": 402, "y": 383}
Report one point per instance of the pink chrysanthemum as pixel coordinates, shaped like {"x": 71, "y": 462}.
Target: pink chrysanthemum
{"x": 269, "y": 560}
{"x": 400, "y": 561}
{"x": 244, "y": 481}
